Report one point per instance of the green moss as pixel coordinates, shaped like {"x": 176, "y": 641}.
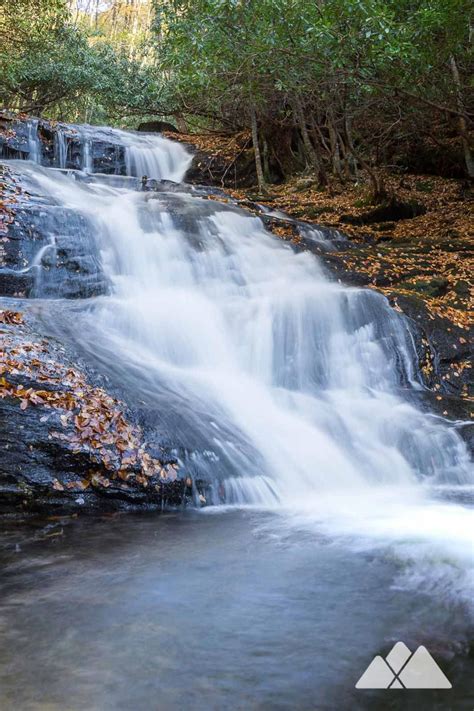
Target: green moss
{"x": 424, "y": 186}
{"x": 436, "y": 286}
{"x": 462, "y": 288}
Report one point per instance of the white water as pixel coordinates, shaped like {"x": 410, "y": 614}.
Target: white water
{"x": 293, "y": 389}
{"x": 61, "y": 148}
{"x": 33, "y": 142}
{"x": 147, "y": 155}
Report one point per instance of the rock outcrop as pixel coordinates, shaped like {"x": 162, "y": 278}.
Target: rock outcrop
{"x": 67, "y": 443}
{"x": 59, "y": 145}
{"x": 47, "y": 249}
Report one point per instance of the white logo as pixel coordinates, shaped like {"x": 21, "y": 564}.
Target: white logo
{"x": 403, "y": 670}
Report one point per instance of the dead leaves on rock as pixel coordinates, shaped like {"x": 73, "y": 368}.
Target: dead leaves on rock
{"x": 12, "y": 318}
{"x": 92, "y": 421}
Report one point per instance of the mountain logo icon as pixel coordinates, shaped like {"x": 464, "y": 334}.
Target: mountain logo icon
{"x": 402, "y": 669}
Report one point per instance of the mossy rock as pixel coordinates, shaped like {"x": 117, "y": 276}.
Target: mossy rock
{"x": 391, "y": 211}
{"x": 424, "y": 186}
{"x": 433, "y": 288}
{"x": 384, "y": 226}
{"x": 317, "y": 211}
{"x": 462, "y": 288}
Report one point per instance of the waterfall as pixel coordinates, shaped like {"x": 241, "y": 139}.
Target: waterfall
{"x": 280, "y": 387}
{"x": 155, "y": 157}
{"x": 288, "y": 398}
{"x": 34, "y": 148}
{"x": 96, "y": 149}
{"x": 133, "y": 154}
{"x": 299, "y": 378}
{"x": 274, "y": 382}
{"x": 61, "y": 149}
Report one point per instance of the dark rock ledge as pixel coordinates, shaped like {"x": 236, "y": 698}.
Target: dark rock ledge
{"x": 66, "y": 443}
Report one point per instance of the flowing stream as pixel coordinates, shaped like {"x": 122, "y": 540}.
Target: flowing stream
{"x": 297, "y": 398}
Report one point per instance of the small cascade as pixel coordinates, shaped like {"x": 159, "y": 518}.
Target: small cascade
{"x": 41, "y": 260}
{"x": 154, "y": 158}
{"x": 116, "y": 152}
{"x": 86, "y": 155}
{"x": 325, "y": 240}
{"x": 60, "y": 148}
{"x": 96, "y": 149}
{"x": 34, "y": 145}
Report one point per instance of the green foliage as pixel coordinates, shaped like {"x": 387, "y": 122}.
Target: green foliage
{"x": 47, "y": 63}
{"x": 336, "y": 63}
{"x": 259, "y": 47}
{"x": 333, "y": 85}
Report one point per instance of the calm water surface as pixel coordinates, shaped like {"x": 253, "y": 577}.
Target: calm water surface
{"x": 234, "y": 610}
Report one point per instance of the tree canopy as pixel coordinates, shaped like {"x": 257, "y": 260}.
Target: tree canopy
{"x": 331, "y": 86}
{"x": 349, "y": 76}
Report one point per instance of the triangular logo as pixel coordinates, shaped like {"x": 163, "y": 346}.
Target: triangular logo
{"x": 403, "y": 670}
{"x": 422, "y": 672}
{"x": 378, "y": 675}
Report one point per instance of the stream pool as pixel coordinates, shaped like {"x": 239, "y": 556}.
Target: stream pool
{"x": 238, "y": 609}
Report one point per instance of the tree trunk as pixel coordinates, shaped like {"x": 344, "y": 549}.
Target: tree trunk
{"x": 462, "y": 120}
{"x": 266, "y": 161}
{"x": 379, "y": 192}
{"x": 308, "y": 146}
{"x": 351, "y": 157}
{"x": 335, "y": 154}
{"x": 181, "y": 123}
{"x": 262, "y": 187}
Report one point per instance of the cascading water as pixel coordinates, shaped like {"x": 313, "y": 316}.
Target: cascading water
{"x": 98, "y": 149}
{"x": 137, "y": 154}
{"x": 33, "y": 142}
{"x": 282, "y": 387}
{"x": 61, "y": 149}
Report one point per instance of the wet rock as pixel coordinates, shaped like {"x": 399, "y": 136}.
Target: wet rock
{"x": 14, "y": 139}
{"x": 157, "y": 127}
{"x": 13, "y": 283}
{"x": 49, "y": 461}
{"x": 47, "y": 250}
{"x": 215, "y": 170}
{"x": 56, "y": 144}
{"x": 449, "y": 343}
{"x": 107, "y": 158}
{"x": 437, "y": 286}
